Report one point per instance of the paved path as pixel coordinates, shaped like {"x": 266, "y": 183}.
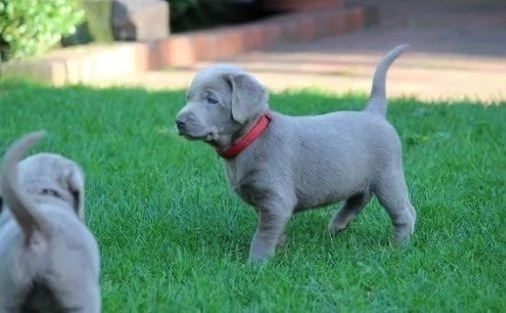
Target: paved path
{"x": 458, "y": 50}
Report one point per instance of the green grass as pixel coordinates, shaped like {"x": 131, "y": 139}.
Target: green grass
{"x": 173, "y": 238}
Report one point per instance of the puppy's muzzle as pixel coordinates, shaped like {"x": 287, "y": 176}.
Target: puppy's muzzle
{"x": 181, "y": 126}
{"x": 186, "y": 126}
{"x": 182, "y": 122}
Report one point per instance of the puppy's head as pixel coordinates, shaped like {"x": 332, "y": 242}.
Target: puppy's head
{"x": 52, "y": 175}
{"x": 221, "y": 102}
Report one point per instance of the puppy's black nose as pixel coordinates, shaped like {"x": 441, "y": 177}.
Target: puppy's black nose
{"x": 180, "y": 124}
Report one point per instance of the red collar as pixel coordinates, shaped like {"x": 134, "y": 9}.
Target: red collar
{"x": 247, "y": 139}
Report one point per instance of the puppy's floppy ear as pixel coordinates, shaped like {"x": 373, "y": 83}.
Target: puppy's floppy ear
{"x": 249, "y": 97}
{"x": 75, "y": 183}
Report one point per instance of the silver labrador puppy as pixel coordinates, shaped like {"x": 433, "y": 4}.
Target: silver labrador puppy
{"x": 49, "y": 259}
{"x": 285, "y": 164}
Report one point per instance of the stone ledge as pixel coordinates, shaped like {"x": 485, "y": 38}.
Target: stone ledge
{"x": 82, "y": 64}
{"x": 91, "y": 63}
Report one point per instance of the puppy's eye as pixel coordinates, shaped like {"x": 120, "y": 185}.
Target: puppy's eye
{"x": 212, "y": 100}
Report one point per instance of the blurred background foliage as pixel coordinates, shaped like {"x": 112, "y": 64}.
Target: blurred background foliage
{"x": 30, "y": 28}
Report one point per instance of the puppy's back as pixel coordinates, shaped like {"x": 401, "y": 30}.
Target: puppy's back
{"x": 335, "y": 154}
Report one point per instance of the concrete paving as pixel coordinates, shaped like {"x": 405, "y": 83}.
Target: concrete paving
{"x": 458, "y": 50}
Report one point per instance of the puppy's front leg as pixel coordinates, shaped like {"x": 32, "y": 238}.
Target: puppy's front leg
{"x": 271, "y": 228}
{"x": 273, "y": 213}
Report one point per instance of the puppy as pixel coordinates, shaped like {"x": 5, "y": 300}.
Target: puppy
{"x": 282, "y": 164}
{"x": 49, "y": 259}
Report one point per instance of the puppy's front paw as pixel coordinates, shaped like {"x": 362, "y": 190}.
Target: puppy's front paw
{"x": 336, "y": 228}
{"x": 258, "y": 262}
{"x": 402, "y": 236}
{"x": 258, "y": 257}
{"x": 260, "y": 250}
{"x": 281, "y": 241}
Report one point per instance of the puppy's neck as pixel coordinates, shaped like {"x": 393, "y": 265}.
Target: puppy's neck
{"x": 245, "y": 135}
{"x": 245, "y": 128}
{"x": 224, "y": 141}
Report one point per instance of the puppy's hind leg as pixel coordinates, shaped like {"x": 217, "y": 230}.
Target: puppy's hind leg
{"x": 81, "y": 296}
{"x": 392, "y": 193}
{"x": 349, "y": 211}
{"x": 9, "y": 299}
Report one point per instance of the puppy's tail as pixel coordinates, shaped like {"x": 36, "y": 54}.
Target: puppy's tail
{"x": 21, "y": 207}
{"x": 378, "y": 102}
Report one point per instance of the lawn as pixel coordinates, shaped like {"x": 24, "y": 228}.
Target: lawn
{"x": 174, "y": 238}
